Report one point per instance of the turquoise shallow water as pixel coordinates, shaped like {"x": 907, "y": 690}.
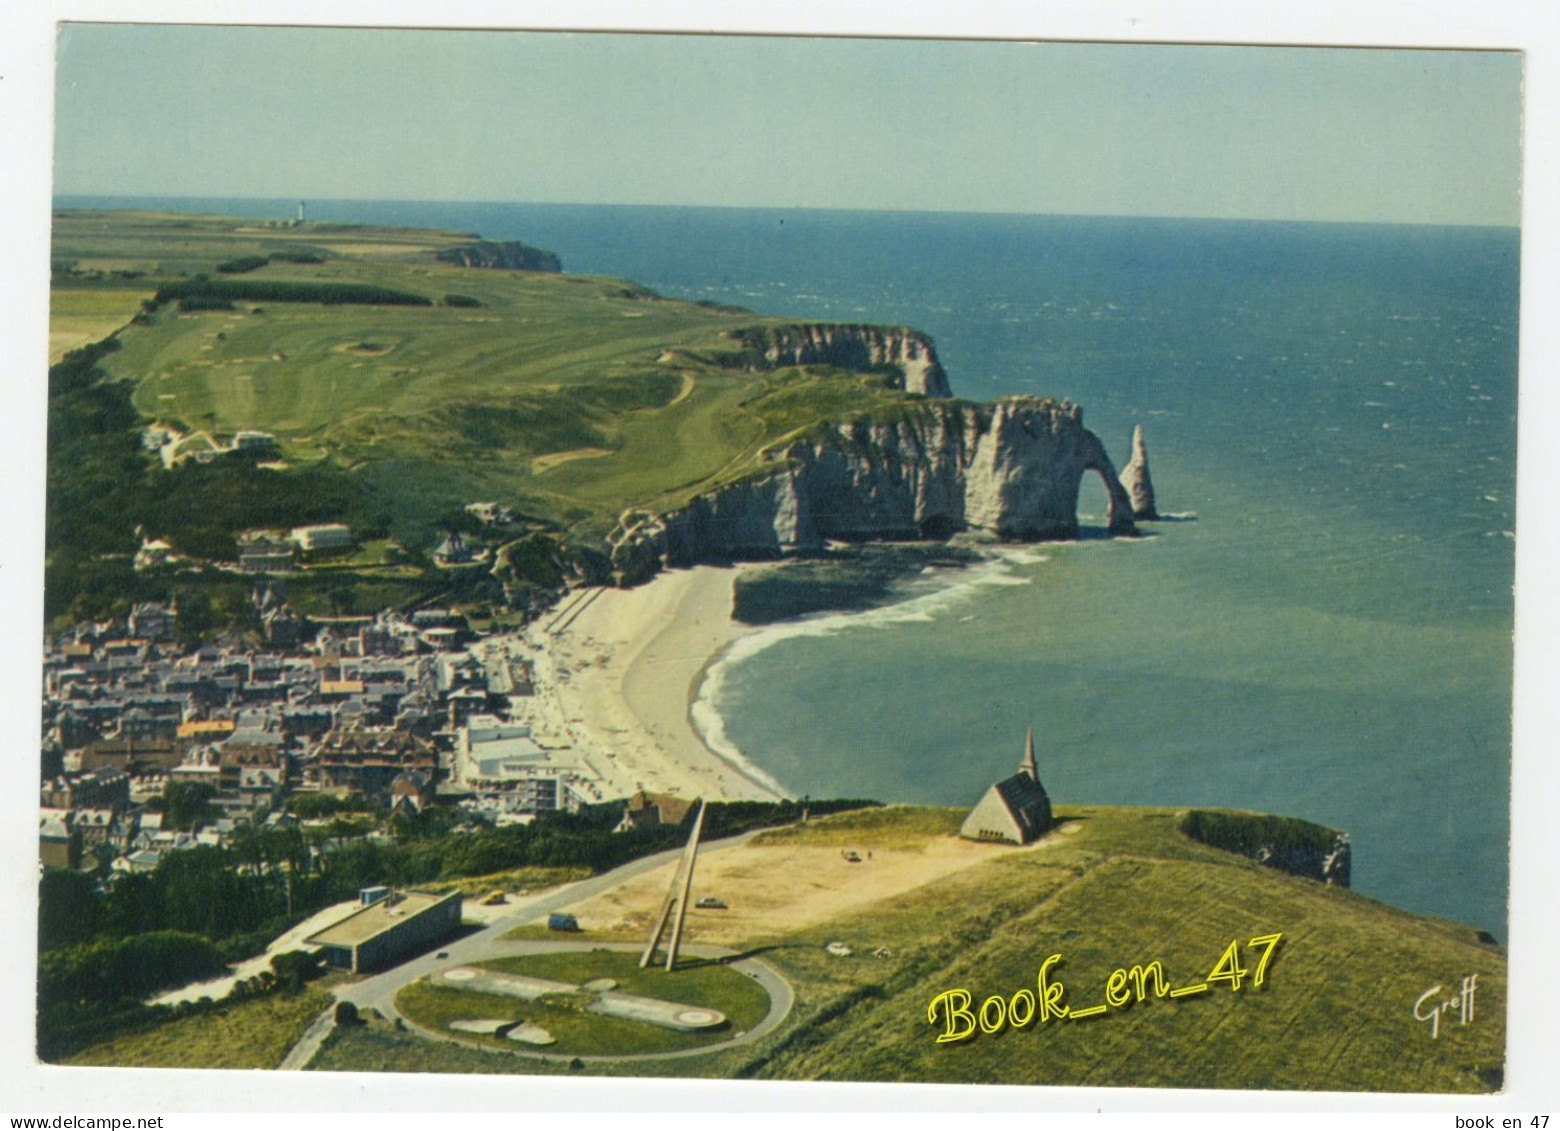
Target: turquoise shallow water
{"x": 1332, "y": 410}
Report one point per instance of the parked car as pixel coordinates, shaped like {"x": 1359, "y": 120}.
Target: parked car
{"x": 838, "y": 949}
{"x": 710, "y": 901}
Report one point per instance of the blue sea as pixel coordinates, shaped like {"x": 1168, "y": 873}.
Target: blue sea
{"x": 1324, "y": 628}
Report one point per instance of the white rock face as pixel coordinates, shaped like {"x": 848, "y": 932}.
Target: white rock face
{"x": 1011, "y": 468}
{"x": 854, "y": 347}
{"x": 1135, "y": 478}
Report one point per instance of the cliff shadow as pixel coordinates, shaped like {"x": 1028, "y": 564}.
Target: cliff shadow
{"x": 690, "y": 962}
{"x": 1092, "y": 534}
{"x": 1103, "y": 534}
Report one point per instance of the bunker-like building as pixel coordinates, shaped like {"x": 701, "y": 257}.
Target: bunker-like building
{"x": 388, "y": 930}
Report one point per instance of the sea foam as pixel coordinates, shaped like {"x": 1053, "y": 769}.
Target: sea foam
{"x": 932, "y": 598}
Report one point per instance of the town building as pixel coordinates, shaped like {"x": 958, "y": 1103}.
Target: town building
{"x": 324, "y": 536}
{"x": 261, "y": 445}
{"x": 144, "y": 860}
{"x": 366, "y": 760}
{"x": 490, "y": 514}
{"x": 255, "y": 770}
{"x": 411, "y": 793}
{"x": 260, "y": 551}
{"x": 150, "y": 620}
{"x": 59, "y": 845}
{"x": 153, "y": 554}
{"x": 363, "y": 707}
{"x": 454, "y": 550}
{"x": 98, "y": 789}
{"x": 202, "y": 765}
{"x": 647, "y": 810}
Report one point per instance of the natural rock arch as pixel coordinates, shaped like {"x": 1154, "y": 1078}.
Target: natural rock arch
{"x": 1119, "y": 515}
{"x": 1011, "y": 469}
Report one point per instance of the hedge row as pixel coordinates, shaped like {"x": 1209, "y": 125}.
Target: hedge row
{"x": 278, "y": 290}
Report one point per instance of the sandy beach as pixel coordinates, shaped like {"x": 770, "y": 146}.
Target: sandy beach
{"x": 617, "y": 671}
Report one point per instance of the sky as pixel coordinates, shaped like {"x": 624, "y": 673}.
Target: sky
{"x": 1239, "y": 132}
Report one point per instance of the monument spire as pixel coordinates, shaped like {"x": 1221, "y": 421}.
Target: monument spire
{"x": 1028, "y": 766}
{"x": 676, "y": 902}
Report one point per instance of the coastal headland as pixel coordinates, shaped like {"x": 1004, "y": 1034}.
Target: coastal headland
{"x": 370, "y": 482}
{"x": 476, "y": 432}
{"x": 384, "y": 379}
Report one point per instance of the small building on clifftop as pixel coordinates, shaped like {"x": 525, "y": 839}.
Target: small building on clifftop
{"x": 389, "y": 929}
{"x": 1016, "y": 809}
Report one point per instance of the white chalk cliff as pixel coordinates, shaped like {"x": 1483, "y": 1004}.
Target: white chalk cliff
{"x": 1011, "y": 468}
{"x": 850, "y": 347}
{"x": 1135, "y": 478}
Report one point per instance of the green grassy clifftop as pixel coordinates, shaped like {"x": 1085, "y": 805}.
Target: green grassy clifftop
{"x": 1110, "y": 889}
{"x": 398, "y": 386}
{"x": 1123, "y": 887}
{"x": 572, "y": 397}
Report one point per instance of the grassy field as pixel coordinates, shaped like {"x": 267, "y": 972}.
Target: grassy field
{"x": 1335, "y": 1010}
{"x": 256, "y": 1033}
{"x": 889, "y": 826}
{"x": 580, "y": 1033}
{"x": 515, "y": 881}
{"x": 398, "y": 388}
{"x": 86, "y": 313}
{"x": 1120, "y": 888}
{"x": 571, "y": 397}
{"x": 172, "y": 243}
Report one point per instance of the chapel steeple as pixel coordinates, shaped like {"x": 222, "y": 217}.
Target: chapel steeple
{"x": 1028, "y": 765}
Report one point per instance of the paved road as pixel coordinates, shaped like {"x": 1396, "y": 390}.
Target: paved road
{"x": 309, "y": 1044}
{"x": 219, "y": 988}
{"x": 378, "y": 992}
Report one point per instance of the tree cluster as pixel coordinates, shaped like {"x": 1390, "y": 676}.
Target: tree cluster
{"x": 282, "y": 290}
{"x": 242, "y": 264}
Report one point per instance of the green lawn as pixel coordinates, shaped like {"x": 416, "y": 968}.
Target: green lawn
{"x": 568, "y": 398}
{"x": 256, "y": 1033}
{"x": 890, "y": 826}
{"x": 580, "y": 1033}
{"x": 1122, "y": 887}
{"x": 1126, "y": 888}
{"x": 515, "y": 880}
{"x": 87, "y": 313}
{"x": 571, "y": 397}
{"x": 381, "y": 556}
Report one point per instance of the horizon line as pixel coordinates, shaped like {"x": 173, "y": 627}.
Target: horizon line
{"x": 56, "y": 196}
